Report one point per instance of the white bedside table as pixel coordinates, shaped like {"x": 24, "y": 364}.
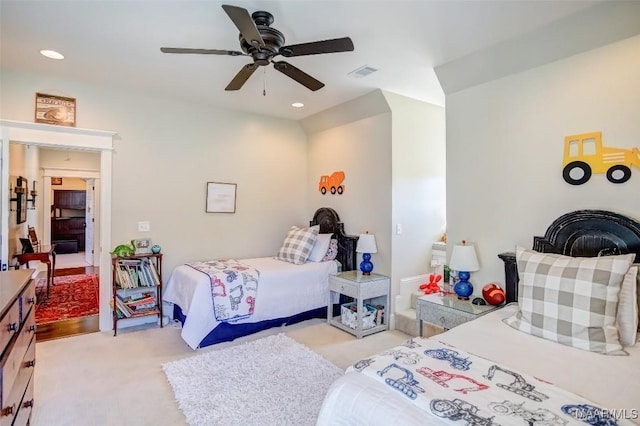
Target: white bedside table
{"x": 360, "y": 287}
{"x": 448, "y": 311}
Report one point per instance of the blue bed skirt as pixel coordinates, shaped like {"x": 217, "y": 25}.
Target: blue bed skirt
{"x": 226, "y": 332}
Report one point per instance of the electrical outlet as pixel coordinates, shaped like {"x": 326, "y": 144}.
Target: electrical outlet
{"x": 144, "y": 226}
{"x": 398, "y": 228}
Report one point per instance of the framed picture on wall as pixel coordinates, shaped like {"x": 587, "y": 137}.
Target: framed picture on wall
{"x": 58, "y": 110}
{"x": 56, "y": 181}
{"x": 221, "y": 197}
{"x": 143, "y": 245}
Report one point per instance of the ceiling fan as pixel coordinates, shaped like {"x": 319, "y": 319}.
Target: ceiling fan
{"x": 263, "y": 43}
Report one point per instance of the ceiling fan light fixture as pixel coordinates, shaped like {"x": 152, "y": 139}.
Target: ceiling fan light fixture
{"x": 52, "y": 54}
{"x": 263, "y": 43}
{"x": 297, "y": 104}
{"x": 363, "y": 71}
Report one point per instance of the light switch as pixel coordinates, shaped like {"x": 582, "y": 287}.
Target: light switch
{"x": 144, "y": 226}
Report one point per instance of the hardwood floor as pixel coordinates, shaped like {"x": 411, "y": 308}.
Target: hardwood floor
{"x": 70, "y": 327}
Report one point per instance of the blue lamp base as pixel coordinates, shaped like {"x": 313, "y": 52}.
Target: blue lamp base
{"x": 463, "y": 288}
{"x": 366, "y": 266}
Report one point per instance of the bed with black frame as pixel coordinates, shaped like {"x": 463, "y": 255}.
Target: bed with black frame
{"x": 183, "y": 280}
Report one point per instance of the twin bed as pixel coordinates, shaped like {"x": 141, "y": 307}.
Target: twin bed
{"x": 486, "y": 372}
{"x": 287, "y": 293}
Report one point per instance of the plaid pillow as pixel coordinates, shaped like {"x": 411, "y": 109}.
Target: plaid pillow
{"x": 569, "y": 300}
{"x": 298, "y": 245}
{"x": 627, "y": 316}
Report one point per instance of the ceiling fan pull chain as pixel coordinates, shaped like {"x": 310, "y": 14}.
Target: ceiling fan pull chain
{"x": 264, "y": 81}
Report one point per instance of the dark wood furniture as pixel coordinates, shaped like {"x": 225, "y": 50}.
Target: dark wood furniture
{"x": 582, "y": 233}
{"x": 17, "y": 346}
{"x": 68, "y": 224}
{"x": 70, "y": 199}
{"x": 47, "y": 255}
{"x": 121, "y": 290}
{"x": 68, "y": 233}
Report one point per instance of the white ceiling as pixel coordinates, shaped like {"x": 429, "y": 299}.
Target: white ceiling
{"x": 116, "y": 43}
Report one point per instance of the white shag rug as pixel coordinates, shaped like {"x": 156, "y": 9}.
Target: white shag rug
{"x": 271, "y": 381}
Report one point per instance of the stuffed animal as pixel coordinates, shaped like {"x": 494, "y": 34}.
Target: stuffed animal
{"x": 432, "y": 286}
{"x": 125, "y": 250}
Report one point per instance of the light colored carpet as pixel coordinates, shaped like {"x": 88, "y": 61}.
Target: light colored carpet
{"x": 271, "y": 381}
{"x": 97, "y": 379}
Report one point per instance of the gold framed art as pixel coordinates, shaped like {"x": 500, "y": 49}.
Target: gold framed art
{"x": 58, "y": 110}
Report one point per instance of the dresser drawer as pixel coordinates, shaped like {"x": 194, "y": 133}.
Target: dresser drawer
{"x": 13, "y": 361}
{"x": 26, "y": 406}
{"x": 17, "y": 397}
{"x": 9, "y": 325}
{"x": 27, "y": 301}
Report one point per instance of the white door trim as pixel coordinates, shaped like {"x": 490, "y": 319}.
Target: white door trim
{"x": 67, "y": 138}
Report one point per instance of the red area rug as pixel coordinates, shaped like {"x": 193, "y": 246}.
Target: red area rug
{"x": 71, "y": 296}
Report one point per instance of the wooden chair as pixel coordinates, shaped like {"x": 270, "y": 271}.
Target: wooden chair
{"x": 34, "y": 238}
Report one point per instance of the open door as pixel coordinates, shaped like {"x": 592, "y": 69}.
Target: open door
{"x": 89, "y": 222}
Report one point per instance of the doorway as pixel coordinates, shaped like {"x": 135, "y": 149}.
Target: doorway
{"x": 96, "y": 141}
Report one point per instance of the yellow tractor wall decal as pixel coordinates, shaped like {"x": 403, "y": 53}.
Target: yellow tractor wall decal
{"x": 332, "y": 183}
{"x": 585, "y": 155}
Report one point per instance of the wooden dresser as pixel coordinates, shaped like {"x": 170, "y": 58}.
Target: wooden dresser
{"x": 17, "y": 345}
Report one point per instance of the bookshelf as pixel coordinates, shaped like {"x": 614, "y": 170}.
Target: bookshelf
{"x": 137, "y": 287}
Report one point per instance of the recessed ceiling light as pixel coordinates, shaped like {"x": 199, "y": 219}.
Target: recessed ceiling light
{"x": 297, "y": 104}
{"x": 52, "y": 54}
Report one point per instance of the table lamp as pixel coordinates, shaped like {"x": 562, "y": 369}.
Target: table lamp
{"x": 464, "y": 260}
{"x": 366, "y": 246}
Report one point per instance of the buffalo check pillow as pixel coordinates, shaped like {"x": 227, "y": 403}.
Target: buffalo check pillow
{"x": 298, "y": 244}
{"x": 570, "y": 300}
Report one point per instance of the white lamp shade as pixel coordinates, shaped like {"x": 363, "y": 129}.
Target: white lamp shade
{"x": 463, "y": 258}
{"x": 367, "y": 244}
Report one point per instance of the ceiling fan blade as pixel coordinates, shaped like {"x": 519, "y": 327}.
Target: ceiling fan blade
{"x": 300, "y": 76}
{"x": 242, "y": 76}
{"x": 316, "y": 47}
{"x": 202, "y": 51}
{"x": 245, "y": 24}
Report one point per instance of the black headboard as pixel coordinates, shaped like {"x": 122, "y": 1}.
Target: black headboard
{"x": 329, "y": 222}
{"x": 582, "y": 233}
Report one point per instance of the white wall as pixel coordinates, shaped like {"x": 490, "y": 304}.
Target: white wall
{"x": 392, "y": 150}
{"x": 505, "y": 147}
{"x": 362, "y": 149}
{"x": 419, "y": 185}
{"x": 166, "y": 151}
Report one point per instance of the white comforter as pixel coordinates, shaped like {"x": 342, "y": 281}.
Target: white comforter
{"x": 284, "y": 290}
{"x": 610, "y": 381}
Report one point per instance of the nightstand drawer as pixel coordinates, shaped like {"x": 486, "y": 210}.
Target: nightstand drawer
{"x": 448, "y": 312}
{"x": 443, "y": 316}
{"x": 348, "y": 288}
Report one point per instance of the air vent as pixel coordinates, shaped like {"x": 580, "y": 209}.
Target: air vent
{"x": 363, "y": 71}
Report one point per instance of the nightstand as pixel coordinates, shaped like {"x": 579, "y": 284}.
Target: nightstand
{"x": 360, "y": 287}
{"x": 448, "y": 311}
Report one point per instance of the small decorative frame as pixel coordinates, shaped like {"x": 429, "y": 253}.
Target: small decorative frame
{"x": 221, "y": 197}
{"x": 143, "y": 245}
{"x": 59, "y": 110}
{"x": 56, "y": 181}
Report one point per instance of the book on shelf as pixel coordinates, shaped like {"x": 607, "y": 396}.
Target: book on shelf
{"x": 133, "y": 273}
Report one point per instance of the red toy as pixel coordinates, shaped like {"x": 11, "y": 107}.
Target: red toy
{"x": 432, "y": 286}
{"x": 493, "y": 294}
